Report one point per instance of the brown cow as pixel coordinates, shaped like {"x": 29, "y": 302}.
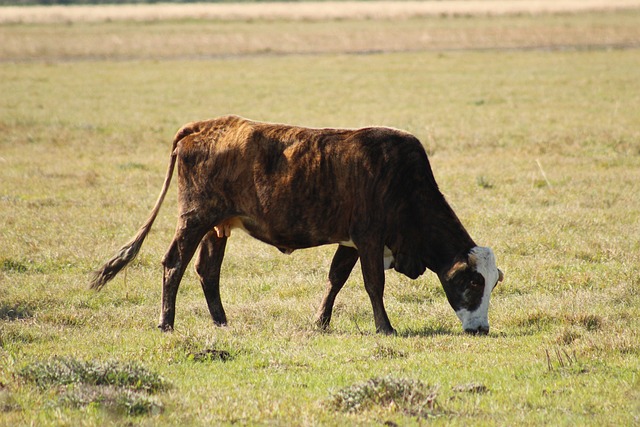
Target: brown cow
{"x": 370, "y": 190}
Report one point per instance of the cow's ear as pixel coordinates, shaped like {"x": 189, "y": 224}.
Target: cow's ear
{"x": 500, "y": 275}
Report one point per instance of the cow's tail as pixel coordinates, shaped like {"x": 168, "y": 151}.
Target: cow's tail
{"x": 128, "y": 252}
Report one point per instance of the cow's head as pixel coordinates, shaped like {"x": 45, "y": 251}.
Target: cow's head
{"x": 468, "y": 285}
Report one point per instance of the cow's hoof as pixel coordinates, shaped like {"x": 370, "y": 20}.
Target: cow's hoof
{"x": 322, "y": 324}
{"x": 389, "y": 331}
{"x": 165, "y": 328}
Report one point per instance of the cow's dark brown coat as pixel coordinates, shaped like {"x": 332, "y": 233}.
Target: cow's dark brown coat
{"x": 294, "y": 188}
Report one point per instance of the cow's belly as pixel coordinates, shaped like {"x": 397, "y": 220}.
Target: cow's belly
{"x": 287, "y": 240}
{"x": 224, "y": 229}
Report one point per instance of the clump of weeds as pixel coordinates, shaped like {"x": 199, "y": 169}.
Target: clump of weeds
{"x": 559, "y": 360}
{"x": 411, "y": 397}
{"x": 122, "y": 387}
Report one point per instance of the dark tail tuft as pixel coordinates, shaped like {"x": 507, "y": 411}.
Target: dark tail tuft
{"x": 128, "y": 252}
{"x": 125, "y": 255}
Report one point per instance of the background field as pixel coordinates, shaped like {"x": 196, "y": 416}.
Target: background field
{"x": 531, "y": 124}
{"x": 293, "y": 10}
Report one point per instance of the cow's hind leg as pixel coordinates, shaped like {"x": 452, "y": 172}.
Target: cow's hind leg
{"x": 371, "y": 260}
{"x": 208, "y": 266}
{"x": 343, "y": 261}
{"x": 180, "y": 252}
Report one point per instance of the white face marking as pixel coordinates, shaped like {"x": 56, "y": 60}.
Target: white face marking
{"x": 387, "y": 255}
{"x": 486, "y": 265}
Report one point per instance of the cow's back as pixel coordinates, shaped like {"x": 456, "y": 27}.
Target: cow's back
{"x": 297, "y": 187}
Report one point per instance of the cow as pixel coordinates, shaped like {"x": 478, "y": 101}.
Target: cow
{"x": 369, "y": 190}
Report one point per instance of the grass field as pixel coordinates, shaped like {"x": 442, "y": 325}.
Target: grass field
{"x": 189, "y": 38}
{"x": 537, "y": 150}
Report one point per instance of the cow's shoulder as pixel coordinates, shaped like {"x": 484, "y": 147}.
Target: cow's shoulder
{"x": 387, "y": 139}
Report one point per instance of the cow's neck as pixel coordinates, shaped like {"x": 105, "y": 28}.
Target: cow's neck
{"x": 445, "y": 240}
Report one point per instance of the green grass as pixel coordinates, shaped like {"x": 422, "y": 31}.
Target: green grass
{"x": 84, "y": 150}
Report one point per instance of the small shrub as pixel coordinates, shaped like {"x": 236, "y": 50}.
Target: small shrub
{"x": 63, "y": 371}
{"x": 409, "y": 396}
{"x": 114, "y": 386}
{"x": 112, "y": 398}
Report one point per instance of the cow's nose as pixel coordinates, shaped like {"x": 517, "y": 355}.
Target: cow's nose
{"x": 480, "y": 330}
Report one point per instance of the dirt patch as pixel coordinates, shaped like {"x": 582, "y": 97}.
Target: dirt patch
{"x": 306, "y": 11}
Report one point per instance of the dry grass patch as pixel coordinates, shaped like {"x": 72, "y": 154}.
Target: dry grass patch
{"x": 202, "y": 39}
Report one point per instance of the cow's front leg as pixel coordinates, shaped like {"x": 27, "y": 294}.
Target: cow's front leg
{"x": 371, "y": 260}
{"x": 180, "y": 252}
{"x": 343, "y": 261}
{"x": 208, "y": 266}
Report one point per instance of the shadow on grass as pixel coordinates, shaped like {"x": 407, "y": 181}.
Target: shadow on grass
{"x": 429, "y": 331}
{"x": 426, "y": 331}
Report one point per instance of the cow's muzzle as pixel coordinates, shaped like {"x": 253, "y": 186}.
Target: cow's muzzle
{"x": 480, "y": 330}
